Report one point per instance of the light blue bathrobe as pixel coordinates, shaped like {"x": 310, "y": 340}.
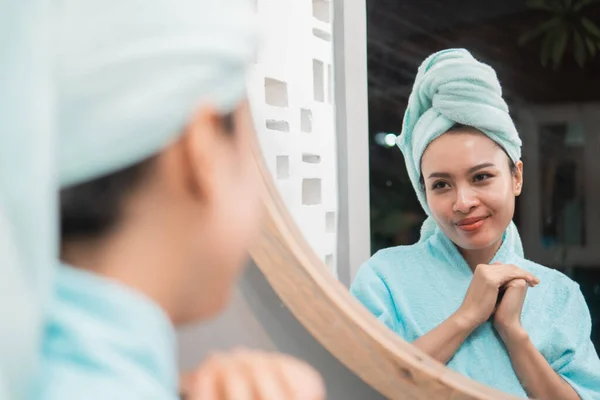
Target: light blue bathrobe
{"x": 105, "y": 341}
{"x": 412, "y": 289}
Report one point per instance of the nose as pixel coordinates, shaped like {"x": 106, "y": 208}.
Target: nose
{"x": 466, "y": 200}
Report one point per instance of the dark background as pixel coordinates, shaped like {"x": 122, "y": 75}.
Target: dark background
{"x": 401, "y": 34}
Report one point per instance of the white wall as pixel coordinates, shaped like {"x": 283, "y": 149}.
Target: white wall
{"x": 291, "y": 90}
{"x": 352, "y": 132}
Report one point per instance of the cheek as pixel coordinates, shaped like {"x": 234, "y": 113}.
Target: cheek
{"x": 232, "y": 223}
{"x": 235, "y": 224}
{"x": 441, "y": 208}
{"x": 499, "y": 198}
{"x": 249, "y": 212}
{"x": 505, "y": 209}
{"x": 244, "y": 210}
{"x": 249, "y": 190}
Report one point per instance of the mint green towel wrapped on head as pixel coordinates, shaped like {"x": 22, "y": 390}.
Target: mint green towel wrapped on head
{"x": 133, "y": 72}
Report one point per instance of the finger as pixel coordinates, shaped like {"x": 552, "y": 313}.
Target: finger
{"x": 186, "y": 381}
{"x": 517, "y": 283}
{"x": 205, "y": 386}
{"x": 528, "y": 277}
{"x": 263, "y": 375}
{"x": 302, "y": 381}
{"x": 235, "y": 382}
{"x": 509, "y": 272}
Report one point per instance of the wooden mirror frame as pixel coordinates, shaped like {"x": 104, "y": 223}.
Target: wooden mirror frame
{"x": 324, "y": 306}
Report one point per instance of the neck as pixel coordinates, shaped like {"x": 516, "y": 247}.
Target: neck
{"x": 134, "y": 256}
{"x": 480, "y": 256}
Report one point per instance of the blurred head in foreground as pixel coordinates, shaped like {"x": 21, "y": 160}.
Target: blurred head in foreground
{"x": 158, "y": 187}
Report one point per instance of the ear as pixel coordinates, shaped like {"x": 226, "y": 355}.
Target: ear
{"x": 518, "y": 178}
{"x": 201, "y": 148}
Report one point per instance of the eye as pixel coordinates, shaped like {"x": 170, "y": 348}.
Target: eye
{"x": 482, "y": 177}
{"x": 438, "y": 185}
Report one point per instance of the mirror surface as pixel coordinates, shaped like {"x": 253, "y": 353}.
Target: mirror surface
{"x": 550, "y": 75}
{"x": 545, "y": 57}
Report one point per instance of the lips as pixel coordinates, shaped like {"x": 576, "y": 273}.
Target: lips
{"x": 470, "y": 221}
{"x": 471, "y": 224}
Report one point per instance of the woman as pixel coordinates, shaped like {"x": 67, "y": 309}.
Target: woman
{"x": 158, "y": 200}
{"x": 465, "y": 294}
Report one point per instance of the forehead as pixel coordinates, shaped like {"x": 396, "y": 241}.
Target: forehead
{"x": 458, "y": 150}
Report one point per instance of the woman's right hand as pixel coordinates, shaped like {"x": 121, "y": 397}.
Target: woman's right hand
{"x": 482, "y": 294}
{"x": 252, "y": 375}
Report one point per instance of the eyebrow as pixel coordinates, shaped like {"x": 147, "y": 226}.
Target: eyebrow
{"x": 470, "y": 170}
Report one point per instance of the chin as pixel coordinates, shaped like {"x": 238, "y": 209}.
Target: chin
{"x": 205, "y": 309}
{"x": 477, "y": 242}
{"x": 218, "y": 304}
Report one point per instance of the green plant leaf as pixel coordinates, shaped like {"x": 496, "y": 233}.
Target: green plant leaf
{"x": 546, "y": 49}
{"x": 559, "y": 46}
{"x": 579, "y": 49}
{"x": 540, "y": 29}
{"x": 547, "y": 5}
{"x": 591, "y": 46}
{"x": 557, "y": 6}
{"x": 591, "y": 27}
{"x": 583, "y": 3}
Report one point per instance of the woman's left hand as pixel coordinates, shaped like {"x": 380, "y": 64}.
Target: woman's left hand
{"x": 507, "y": 318}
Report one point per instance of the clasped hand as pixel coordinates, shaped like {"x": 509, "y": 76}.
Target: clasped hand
{"x": 498, "y": 290}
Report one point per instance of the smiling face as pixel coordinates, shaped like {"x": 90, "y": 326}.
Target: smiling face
{"x": 470, "y": 188}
